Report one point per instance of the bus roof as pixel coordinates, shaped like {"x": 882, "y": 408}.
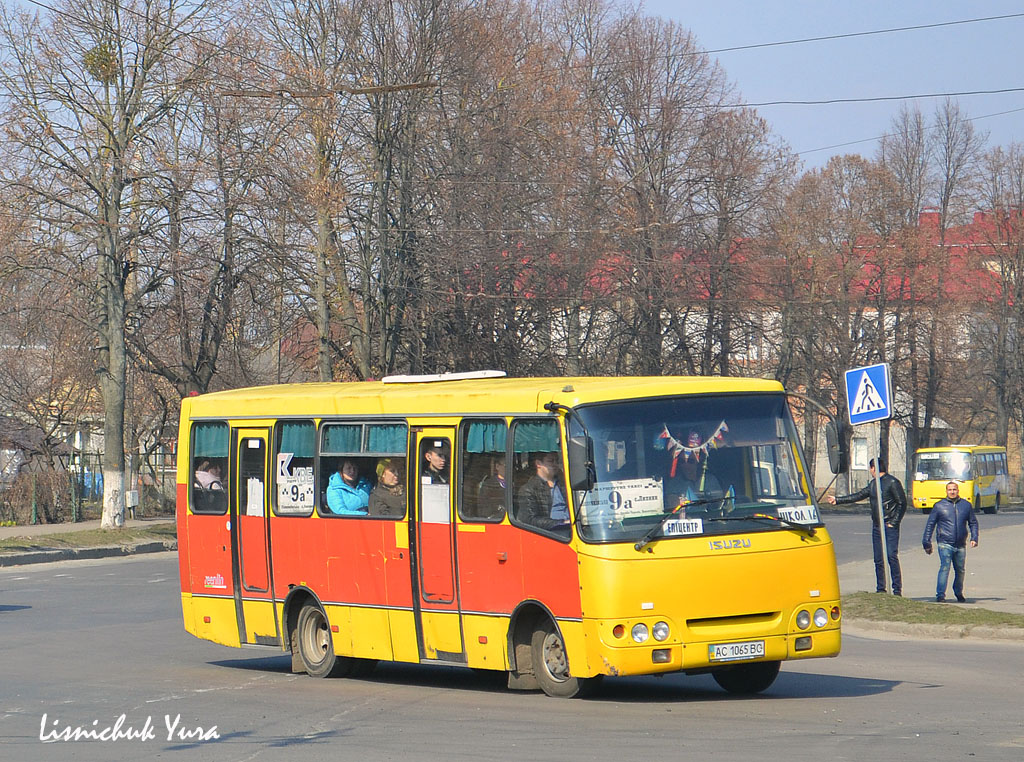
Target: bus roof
{"x": 947, "y": 448}
{"x": 463, "y": 396}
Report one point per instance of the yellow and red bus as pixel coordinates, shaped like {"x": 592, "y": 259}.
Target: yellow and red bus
{"x": 550, "y": 528}
{"x": 980, "y": 470}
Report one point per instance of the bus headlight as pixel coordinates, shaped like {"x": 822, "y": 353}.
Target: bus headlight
{"x": 660, "y": 631}
{"x": 803, "y": 619}
{"x": 820, "y": 618}
{"x": 640, "y": 632}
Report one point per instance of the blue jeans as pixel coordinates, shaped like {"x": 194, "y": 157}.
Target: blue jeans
{"x": 892, "y": 545}
{"x": 958, "y": 556}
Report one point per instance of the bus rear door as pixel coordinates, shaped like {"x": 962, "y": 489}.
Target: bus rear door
{"x": 438, "y": 622}
{"x": 250, "y": 537}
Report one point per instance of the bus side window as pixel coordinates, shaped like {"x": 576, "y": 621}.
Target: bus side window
{"x": 210, "y": 467}
{"x": 295, "y": 456}
{"x": 542, "y": 501}
{"x": 484, "y": 487}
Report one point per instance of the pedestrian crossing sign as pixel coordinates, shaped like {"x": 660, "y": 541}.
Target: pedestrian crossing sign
{"x": 868, "y": 394}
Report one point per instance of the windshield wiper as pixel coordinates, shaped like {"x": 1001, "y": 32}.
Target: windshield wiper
{"x": 768, "y": 516}
{"x": 643, "y": 541}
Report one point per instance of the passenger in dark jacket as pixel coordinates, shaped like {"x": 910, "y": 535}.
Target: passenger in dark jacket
{"x": 894, "y": 505}
{"x": 388, "y": 497}
{"x": 541, "y": 501}
{"x": 950, "y": 519}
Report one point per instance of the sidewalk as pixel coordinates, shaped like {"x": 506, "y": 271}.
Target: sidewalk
{"x": 126, "y": 548}
{"x": 995, "y": 581}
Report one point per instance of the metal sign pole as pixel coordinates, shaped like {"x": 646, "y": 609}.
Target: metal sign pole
{"x": 881, "y": 520}
{"x": 869, "y": 399}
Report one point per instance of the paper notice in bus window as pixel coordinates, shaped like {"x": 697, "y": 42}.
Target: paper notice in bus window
{"x": 294, "y": 486}
{"x": 626, "y": 498}
{"x": 676, "y": 527}
{"x": 801, "y": 514}
{"x": 254, "y": 493}
{"x": 434, "y": 503}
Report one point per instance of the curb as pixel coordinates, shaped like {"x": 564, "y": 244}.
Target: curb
{"x": 77, "y": 554}
{"x": 933, "y": 631}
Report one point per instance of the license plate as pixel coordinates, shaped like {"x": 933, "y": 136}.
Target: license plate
{"x": 752, "y": 649}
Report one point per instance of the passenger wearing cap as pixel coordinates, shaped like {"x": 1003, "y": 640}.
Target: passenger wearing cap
{"x": 388, "y": 497}
{"x": 436, "y": 471}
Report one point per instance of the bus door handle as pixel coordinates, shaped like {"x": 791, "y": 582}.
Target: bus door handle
{"x": 502, "y": 556}
{"x": 397, "y": 554}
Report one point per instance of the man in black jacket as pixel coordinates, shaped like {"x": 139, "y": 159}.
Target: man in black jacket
{"x": 541, "y": 501}
{"x": 894, "y": 505}
{"x": 950, "y": 518}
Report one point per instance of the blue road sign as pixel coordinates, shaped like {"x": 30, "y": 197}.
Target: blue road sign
{"x": 868, "y": 393}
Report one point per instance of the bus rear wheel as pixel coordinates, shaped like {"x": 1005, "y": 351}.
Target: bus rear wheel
{"x": 316, "y": 648}
{"x": 747, "y": 678}
{"x": 994, "y": 508}
{"x": 551, "y": 666}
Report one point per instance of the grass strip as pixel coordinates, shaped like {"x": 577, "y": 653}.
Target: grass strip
{"x": 893, "y": 608}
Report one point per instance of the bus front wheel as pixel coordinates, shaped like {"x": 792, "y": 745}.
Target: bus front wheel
{"x": 551, "y": 665}
{"x": 316, "y": 648}
{"x": 994, "y": 508}
{"x": 747, "y": 678}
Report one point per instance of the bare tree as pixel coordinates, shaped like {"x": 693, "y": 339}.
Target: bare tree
{"x": 954, "y": 148}
{"x": 1000, "y": 332}
{"x": 86, "y": 89}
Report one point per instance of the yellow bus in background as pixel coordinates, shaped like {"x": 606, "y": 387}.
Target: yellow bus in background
{"x": 980, "y": 470}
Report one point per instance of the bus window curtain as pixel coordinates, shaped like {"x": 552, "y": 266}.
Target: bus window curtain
{"x": 486, "y": 436}
{"x": 299, "y": 439}
{"x": 386, "y": 437}
{"x": 343, "y": 439}
{"x": 536, "y": 436}
{"x": 210, "y": 440}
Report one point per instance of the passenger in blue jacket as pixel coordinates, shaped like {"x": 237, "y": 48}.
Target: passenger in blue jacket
{"x": 950, "y": 519}
{"x": 347, "y": 493}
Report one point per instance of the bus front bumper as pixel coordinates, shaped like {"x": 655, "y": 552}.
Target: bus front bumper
{"x": 654, "y": 658}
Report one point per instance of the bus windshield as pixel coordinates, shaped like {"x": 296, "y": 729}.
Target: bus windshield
{"x": 693, "y": 465}
{"x": 942, "y": 466}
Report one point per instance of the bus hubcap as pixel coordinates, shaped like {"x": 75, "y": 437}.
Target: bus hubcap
{"x": 554, "y": 657}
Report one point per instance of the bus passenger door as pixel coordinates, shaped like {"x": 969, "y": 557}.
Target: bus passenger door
{"x": 250, "y": 536}
{"x": 438, "y": 623}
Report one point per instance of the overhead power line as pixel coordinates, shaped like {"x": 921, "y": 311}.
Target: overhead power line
{"x": 272, "y": 92}
{"x": 880, "y": 98}
{"x": 849, "y": 35}
{"x": 887, "y": 134}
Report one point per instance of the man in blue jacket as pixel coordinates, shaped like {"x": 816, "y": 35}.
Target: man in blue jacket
{"x": 950, "y": 518}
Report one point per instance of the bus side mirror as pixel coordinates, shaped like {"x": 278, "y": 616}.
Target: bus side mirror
{"x": 582, "y": 475}
{"x": 838, "y": 457}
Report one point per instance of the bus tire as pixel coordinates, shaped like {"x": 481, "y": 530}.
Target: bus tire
{"x": 979, "y": 507}
{"x": 316, "y": 648}
{"x": 994, "y": 508}
{"x": 551, "y": 665}
{"x": 747, "y": 679}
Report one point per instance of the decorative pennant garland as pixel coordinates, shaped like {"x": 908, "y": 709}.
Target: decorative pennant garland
{"x": 665, "y": 440}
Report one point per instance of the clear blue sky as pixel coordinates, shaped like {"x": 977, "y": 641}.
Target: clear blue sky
{"x": 986, "y": 55}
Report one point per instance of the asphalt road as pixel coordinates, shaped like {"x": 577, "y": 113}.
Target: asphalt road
{"x": 851, "y": 533}
{"x": 85, "y": 642}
